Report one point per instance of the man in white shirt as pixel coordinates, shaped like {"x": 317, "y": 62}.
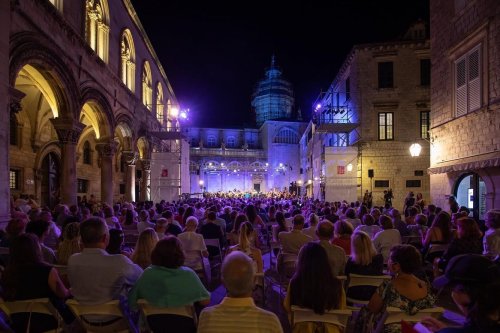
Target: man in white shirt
{"x": 336, "y": 254}
{"x": 313, "y": 223}
{"x": 237, "y": 312}
{"x": 292, "y": 241}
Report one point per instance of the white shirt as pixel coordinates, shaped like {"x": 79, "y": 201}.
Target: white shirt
{"x": 193, "y": 244}
{"x": 143, "y": 225}
{"x": 238, "y": 315}
{"x": 371, "y": 230}
{"x": 384, "y": 240}
{"x": 311, "y": 232}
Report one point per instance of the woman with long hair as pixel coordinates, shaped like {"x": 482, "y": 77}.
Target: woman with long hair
{"x": 130, "y": 222}
{"x": 234, "y": 234}
{"x": 70, "y": 243}
{"x": 314, "y": 287}
{"x": 253, "y": 216}
{"x": 271, "y": 214}
{"x": 245, "y": 245}
{"x": 364, "y": 260}
{"x": 145, "y": 245}
{"x": 438, "y": 233}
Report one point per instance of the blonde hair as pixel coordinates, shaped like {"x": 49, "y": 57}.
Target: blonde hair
{"x": 246, "y": 230}
{"x": 70, "y": 244}
{"x": 362, "y": 249}
{"x": 144, "y": 246}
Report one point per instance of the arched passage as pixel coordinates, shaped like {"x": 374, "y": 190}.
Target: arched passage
{"x": 470, "y": 191}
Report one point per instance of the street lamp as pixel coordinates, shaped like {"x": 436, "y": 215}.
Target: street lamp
{"x": 349, "y": 167}
{"x": 201, "y": 182}
{"x": 415, "y": 150}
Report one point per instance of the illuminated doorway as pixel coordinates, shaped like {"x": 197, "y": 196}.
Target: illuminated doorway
{"x": 470, "y": 191}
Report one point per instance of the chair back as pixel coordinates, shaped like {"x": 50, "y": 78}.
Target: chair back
{"x": 148, "y": 310}
{"x": 183, "y": 319}
{"x": 364, "y": 280}
{"x": 213, "y": 242}
{"x": 335, "y": 317}
{"x": 433, "y": 248}
{"x": 38, "y": 305}
{"x": 108, "y": 309}
{"x": 396, "y": 315}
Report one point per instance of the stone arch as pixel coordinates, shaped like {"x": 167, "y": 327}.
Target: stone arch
{"x": 97, "y": 27}
{"x": 143, "y": 147}
{"x": 49, "y": 147}
{"x": 286, "y": 135}
{"x": 96, "y": 107}
{"x": 27, "y": 48}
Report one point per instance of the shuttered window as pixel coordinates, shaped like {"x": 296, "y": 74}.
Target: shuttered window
{"x": 468, "y": 82}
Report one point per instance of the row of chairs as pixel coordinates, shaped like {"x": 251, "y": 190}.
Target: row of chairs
{"x": 184, "y": 317}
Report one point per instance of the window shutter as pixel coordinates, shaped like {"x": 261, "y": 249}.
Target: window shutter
{"x": 461, "y": 88}
{"x": 473, "y": 62}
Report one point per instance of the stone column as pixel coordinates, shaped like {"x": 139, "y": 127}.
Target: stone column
{"x": 68, "y": 132}
{"x": 146, "y": 180}
{"x": 130, "y": 159}
{"x": 106, "y": 152}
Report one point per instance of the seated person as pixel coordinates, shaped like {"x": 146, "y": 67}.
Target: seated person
{"x": 40, "y": 229}
{"x": 143, "y": 248}
{"x": 245, "y": 245}
{"x": 336, "y": 255}
{"x": 70, "y": 243}
{"x": 292, "y": 241}
{"x": 369, "y": 226}
{"x": 193, "y": 245}
{"x": 237, "y": 312}
{"x": 405, "y": 291}
{"x": 167, "y": 283}
{"x": 364, "y": 260}
{"x": 210, "y": 230}
{"x": 387, "y": 238}
{"x": 314, "y": 287}
{"x": 491, "y": 240}
{"x": 342, "y": 235}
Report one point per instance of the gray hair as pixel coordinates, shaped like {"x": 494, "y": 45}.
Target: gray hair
{"x": 92, "y": 230}
{"x": 191, "y": 222}
{"x": 238, "y": 274}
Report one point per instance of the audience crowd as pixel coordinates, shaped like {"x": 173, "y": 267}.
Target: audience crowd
{"x": 165, "y": 255}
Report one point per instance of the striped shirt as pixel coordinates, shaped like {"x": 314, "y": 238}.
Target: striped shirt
{"x": 238, "y": 315}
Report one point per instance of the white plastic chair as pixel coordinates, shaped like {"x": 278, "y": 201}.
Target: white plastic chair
{"x": 356, "y": 280}
{"x": 150, "y": 310}
{"x": 109, "y": 309}
{"x": 338, "y": 318}
{"x": 396, "y": 315}
{"x": 38, "y": 305}
{"x": 215, "y": 243}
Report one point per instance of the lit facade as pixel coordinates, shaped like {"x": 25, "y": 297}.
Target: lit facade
{"x": 79, "y": 79}
{"x": 363, "y": 125}
{"x": 465, "y": 121}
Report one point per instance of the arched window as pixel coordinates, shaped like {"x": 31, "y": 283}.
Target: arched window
{"x": 147, "y": 86}
{"x": 231, "y": 142}
{"x": 211, "y": 141}
{"x": 127, "y": 66}
{"x": 160, "y": 106}
{"x": 58, "y": 4}
{"x": 97, "y": 27}
{"x": 286, "y": 135}
{"x": 87, "y": 154}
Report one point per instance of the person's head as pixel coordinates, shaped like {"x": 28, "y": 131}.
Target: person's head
{"x": 25, "y": 249}
{"x": 45, "y": 215}
{"x": 395, "y": 214}
{"x": 71, "y": 231}
{"x": 245, "y": 235}
{"x": 343, "y": 229}
{"x": 39, "y": 228}
{"x": 313, "y": 220}
{"x": 144, "y": 247}
{"x": 467, "y": 228}
{"x": 442, "y": 221}
{"x": 251, "y": 213}
{"x": 280, "y": 219}
{"x": 313, "y": 285}
{"x": 144, "y": 216}
{"x": 475, "y": 288}
{"x": 211, "y": 216}
{"x": 419, "y": 196}
{"x": 108, "y": 211}
{"x": 238, "y": 274}
{"x": 385, "y": 222}
{"x": 168, "y": 253}
{"x": 298, "y": 222}
{"x": 324, "y": 231}
{"x": 17, "y": 224}
{"x": 116, "y": 238}
{"x": 404, "y": 259}
{"x": 493, "y": 219}
{"x": 94, "y": 233}
{"x": 412, "y": 211}
{"x": 362, "y": 249}
{"x": 431, "y": 209}
{"x": 375, "y": 212}
{"x": 368, "y": 220}
{"x": 191, "y": 223}
{"x": 350, "y": 213}
{"x": 421, "y": 219}
{"x": 238, "y": 221}
{"x": 167, "y": 214}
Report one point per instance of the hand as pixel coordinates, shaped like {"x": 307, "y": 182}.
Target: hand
{"x": 433, "y": 324}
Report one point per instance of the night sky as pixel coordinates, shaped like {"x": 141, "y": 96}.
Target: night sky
{"x": 215, "y": 52}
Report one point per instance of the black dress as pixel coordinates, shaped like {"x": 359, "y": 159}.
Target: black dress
{"x": 376, "y": 267}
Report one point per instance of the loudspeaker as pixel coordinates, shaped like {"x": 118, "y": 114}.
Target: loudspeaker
{"x": 371, "y": 173}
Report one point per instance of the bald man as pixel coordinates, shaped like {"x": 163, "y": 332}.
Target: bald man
{"x": 336, "y": 254}
{"x": 237, "y": 312}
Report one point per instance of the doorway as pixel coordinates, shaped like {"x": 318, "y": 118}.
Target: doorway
{"x": 470, "y": 191}
{"x": 50, "y": 180}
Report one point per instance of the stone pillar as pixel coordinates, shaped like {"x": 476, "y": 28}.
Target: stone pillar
{"x": 146, "y": 180}
{"x": 68, "y": 132}
{"x": 106, "y": 152}
{"x": 130, "y": 159}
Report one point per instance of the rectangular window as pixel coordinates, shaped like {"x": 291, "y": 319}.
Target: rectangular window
{"x": 425, "y": 72}
{"x": 347, "y": 88}
{"x": 385, "y": 75}
{"x": 14, "y": 179}
{"x": 382, "y": 183}
{"x": 419, "y": 173}
{"x": 385, "y": 126}
{"x": 122, "y": 188}
{"x": 424, "y": 124}
{"x": 468, "y": 82}
{"x": 414, "y": 183}
{"x": 82, "y": 185}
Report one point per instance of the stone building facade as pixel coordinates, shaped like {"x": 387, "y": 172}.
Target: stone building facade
{"x": 465, "y": 97}
{"x": 84, "y": 92}
{"x": 376, "y": 107}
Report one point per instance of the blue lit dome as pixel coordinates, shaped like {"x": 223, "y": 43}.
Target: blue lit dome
{"x": 273, "y": 97}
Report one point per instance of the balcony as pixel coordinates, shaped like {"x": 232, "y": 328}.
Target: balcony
{"x": 228, "y": 152}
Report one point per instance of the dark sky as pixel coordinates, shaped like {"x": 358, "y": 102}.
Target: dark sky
{"x": 215, "y": 52}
